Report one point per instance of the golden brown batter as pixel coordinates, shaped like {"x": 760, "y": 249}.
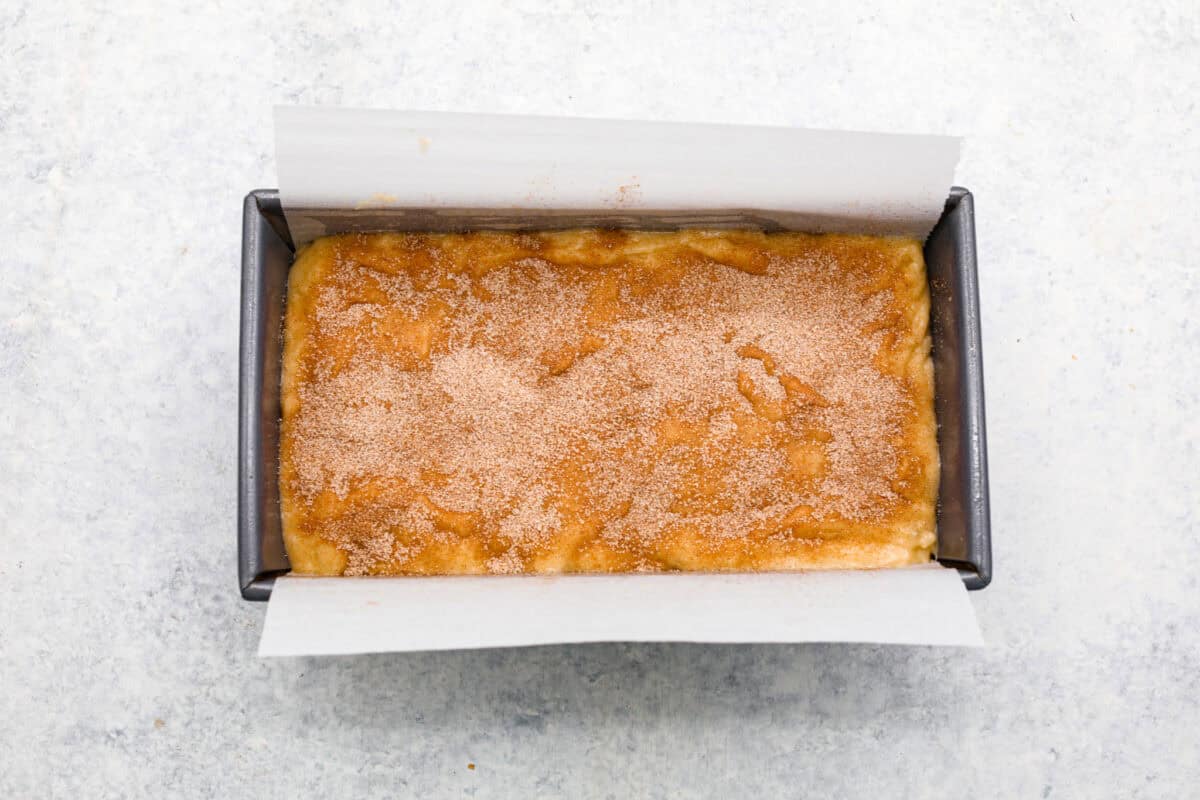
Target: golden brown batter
{"x": 607, "y": 401}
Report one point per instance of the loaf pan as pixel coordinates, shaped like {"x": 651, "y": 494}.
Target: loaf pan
{"x": 963, "y": 524}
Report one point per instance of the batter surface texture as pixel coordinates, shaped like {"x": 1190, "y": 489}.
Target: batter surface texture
{"x": 607, "y": 401}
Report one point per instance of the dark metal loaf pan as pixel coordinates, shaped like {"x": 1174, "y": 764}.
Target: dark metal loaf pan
{"x": 964, "y": 536}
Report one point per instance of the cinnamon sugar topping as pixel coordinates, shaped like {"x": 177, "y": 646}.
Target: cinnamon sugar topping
{"x": 521, "y": 406}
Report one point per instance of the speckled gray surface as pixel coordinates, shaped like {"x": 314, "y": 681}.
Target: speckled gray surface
{"x": 128, "y": 136}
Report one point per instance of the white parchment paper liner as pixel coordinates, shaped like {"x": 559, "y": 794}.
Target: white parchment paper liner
{"x": 351, "y": 169}
{"x": 354, "y": 169}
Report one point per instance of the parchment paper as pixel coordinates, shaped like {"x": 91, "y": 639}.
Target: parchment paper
{"x": 354, "y": 169}
{"x": 326, "y": 616}
{"x": 350, "y": 169}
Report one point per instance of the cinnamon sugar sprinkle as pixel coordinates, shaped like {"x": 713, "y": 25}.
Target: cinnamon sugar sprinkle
{"x": 705, "y": 396}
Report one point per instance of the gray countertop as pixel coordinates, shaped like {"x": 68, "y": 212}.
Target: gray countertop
{"x": 127, "y": 139}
